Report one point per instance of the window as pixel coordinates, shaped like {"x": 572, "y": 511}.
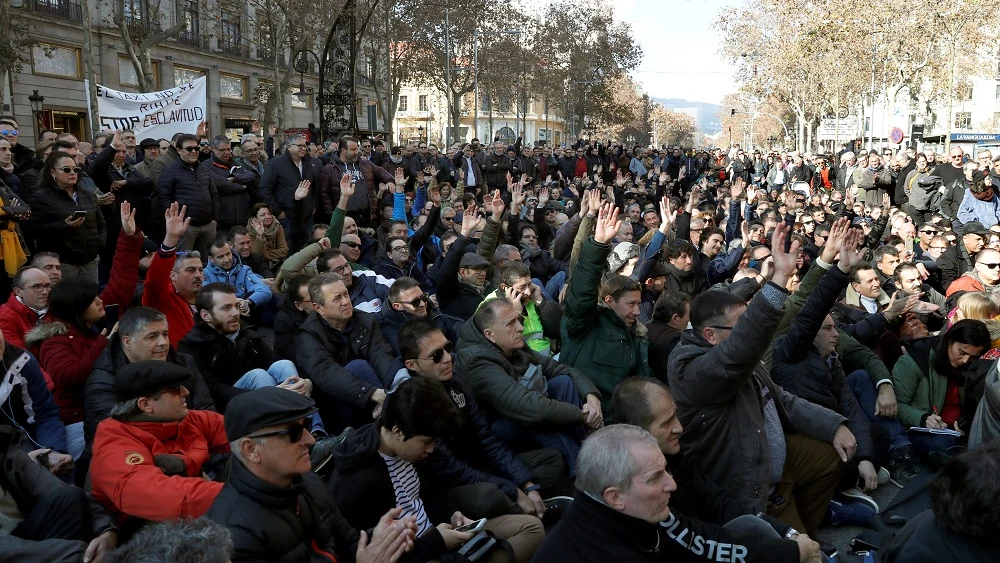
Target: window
{"x": 402, "y": 103}
{"x": 485, "y": 104}
{"x": 998, "y": 91}
{"x": 963, "y": 91}
{"x": 183, "y": 75}
{"x": 231, "y": 36}
{"x": 422, "y": 102}
{"x": 963, "y": 120}
{"x": 191, "y": 33}
{"x": 232, "y": 87}
{"x": 127, "y": 76}
{"x": 504, "y": 105}
{"x": 56, "y": 61}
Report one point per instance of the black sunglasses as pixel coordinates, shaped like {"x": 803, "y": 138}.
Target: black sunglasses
{"x": 191, "y": 149}
{"x": 294, "y": 432}
{"x": 351, "y": 244}
{"x": 990, "y": 266}
{"x": 415, "y": 302}
{"x": 438, "y": 355}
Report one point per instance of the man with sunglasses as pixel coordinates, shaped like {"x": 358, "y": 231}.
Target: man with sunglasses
{"x": 191, "y": 185}
{"x": 958, "y": 259}
{"x": 408, "y": 301}
{"x": 153, "y": 458}
{"x": 22, "y": 154}
{"x": 983, "y": 278}
{"x": 483, "y": 477}
{"x": 274, "y": 507}
{"x": 953, "y": 179}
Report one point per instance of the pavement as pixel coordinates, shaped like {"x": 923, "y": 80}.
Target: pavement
{"x": 840, "y": 537}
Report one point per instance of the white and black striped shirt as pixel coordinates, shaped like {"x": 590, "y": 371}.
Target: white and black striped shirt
{"x": 406, "y": 484}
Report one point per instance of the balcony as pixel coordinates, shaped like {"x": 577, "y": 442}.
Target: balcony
{"x": 59, "y": 9}
{"x": 186, "y": 37}
{"x": 235, "y": 47}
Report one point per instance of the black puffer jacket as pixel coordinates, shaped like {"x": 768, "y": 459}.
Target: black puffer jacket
{"x": 392, "y": 321}
{"x": 295, "y": 524}
{"x": 285, "y": 323}
{"x": 222, "y": 362}
{"x": 99, "y": 393}
{"x": 323, "y": 352}
{"x": 190, "y": 185}
{"x": 50, "y": 206}
{"x": 801, "y": 370}
{"x": 234, "y": 195}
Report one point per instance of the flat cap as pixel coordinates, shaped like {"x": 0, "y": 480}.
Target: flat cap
{"x": 473, "y": 260}
{"x": 142, "y": 379}
{"x": 149, "y": 142}
{"x": 974, "y": 228}
{"x": 267, "y": 406}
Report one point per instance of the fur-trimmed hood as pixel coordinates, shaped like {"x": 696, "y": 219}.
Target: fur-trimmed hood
{"x": 43, "y": 332}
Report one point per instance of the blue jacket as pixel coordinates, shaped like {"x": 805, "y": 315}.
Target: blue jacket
{"x": 29, "y": 401}
{"x": 248, "y": 284}
{"x": 973, "y": 209}
{"x": 369, "y": 291}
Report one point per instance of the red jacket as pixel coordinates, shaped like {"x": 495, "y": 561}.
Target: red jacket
{"x": 127, "y": 482}
{"x": 68, "y": 356}
{"x": 16, "y": 320}
{"x": 124, "y": 271}
{"x": 160, "y": 294}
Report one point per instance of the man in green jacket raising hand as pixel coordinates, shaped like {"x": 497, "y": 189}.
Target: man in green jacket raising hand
{"x": 601, "y": 334}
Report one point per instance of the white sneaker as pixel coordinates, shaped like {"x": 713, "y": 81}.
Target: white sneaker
{"x": 883, "y": 476}
{"x": 855, "y": 493}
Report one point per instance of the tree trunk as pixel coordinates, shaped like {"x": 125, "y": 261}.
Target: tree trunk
{"x": 88, "y": 66}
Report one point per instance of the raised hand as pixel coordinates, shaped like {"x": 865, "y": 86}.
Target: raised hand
{"x": 737, "y": 188}
{"x": 434, "y": 193}
{"x": 517, "y": 197}
{"x": 498, "y": 206}
{"x": 469, "y": 220}
{"x": 128, "y": 219}
{"x": 524, "y": 180}
{"x": 400, "y": 179}
{"x": 257, "y": 226}
{"x": 784, "y": 262}
{"x": 347, "y": 186}
{"x": 620, "y": 179}
{"x": 608, "y": 224}
{"x": 850, "y": 251}
{"x": 838, "y": 233}
{"x": 543, "y": 197}
{"x": 663, "y": 177}
{"x": 176, "y": 222}
{"x": 303, "y": 190}
{"x": 751, "y": 194}
{"x": 667, "y": 216}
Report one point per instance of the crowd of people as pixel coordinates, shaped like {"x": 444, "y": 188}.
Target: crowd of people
{"x": 294, "y": 350}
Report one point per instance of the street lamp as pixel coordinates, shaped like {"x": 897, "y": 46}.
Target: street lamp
{"x": 36, "y": 100}
{"x": 475, "y": 65}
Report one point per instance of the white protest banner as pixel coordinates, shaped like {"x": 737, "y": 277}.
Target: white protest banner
{"x": 153, "y": 114}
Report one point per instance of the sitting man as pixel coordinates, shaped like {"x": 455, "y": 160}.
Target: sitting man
{"x": 671, "y": 315}
{"x": 152, "y": 456}
{"x": 294, "y": 310}
{"x": 46, "y": 519}
{"x": 270, "y": 479}
{"x": 408, "y": 301}
{"x": 984, "y": 277}
{"x": 605, "y": 342}
{"x": 231, "y": 357}
{"x": 806, "y": 364}
{"x": 172, "y": 281}
{"x": 541, "y": 317}
{"x": 622, "y": 512}
{"x": 242, "y": 243}
{"x": 375, "y": 469}
{"x": 368, "y": 289}
{"x": 26, "y": 306}
{"x": 484, "y": 478}
{"x": 531, "y": 400}
{"x": 463, "y": 278}
{"x": 344, "y": 355}
{"x": 223, "y": 267}
{"x": 682, "y": 275}
{"x": 142, "y": 335}
{"x": 717, "y": 380}
{"x": 398, "y": 263}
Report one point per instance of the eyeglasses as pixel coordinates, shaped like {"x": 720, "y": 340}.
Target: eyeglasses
{"x": 70, "y": 169}
{"x": 204, "y": 144}
{"x": 300, "y": 145}
{"x": 351, "y": 244}
{"x": 990, "y": 266}
{"x": 190, "y": 149}
{"x": 8, "y": 131}
{"x": 716, "y": 327}
{"x": 401, "y": 248}
{"x": 39, "y": 287}
{"x": 941, "y": 248}
{"x": 294, "y": 432}
{"x": 929, "y": 232}
{"x": 956, "y": 156}
{"x": 438, "y": 355}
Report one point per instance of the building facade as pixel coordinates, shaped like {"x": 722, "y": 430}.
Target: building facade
{"x": 219, "y": 41}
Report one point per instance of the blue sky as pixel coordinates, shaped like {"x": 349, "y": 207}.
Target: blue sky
{"x": 680, "y": 48}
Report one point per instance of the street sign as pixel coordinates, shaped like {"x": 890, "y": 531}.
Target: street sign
{"x": 829, "y": 130}
{"x": 896, "y": 136}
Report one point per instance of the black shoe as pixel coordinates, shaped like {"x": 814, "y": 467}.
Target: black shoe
{"x": 322, "y": 452}
{"x": 902, "y": 466}
{"x": 828, "y": 550}
{"x": 555, "y": 507}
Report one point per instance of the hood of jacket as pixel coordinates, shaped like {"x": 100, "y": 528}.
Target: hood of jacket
{"x": 357, "y": 446}
{"x": 44, "y": 331}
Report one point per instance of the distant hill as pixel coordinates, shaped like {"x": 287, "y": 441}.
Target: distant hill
{"x": 706, "y": 115}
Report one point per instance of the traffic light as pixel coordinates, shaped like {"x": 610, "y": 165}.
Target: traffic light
{"x": 732, "y": 113}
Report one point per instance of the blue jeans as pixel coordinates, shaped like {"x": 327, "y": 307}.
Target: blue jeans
{"x": 566, "y": 440}
{"x": 864, "y": 390}
{"x": 277, "y": 373}
{"x": 555, "y": 285}
{"x": 74, "y": 440}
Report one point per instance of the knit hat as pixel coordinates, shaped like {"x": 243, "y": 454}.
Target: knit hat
{"x": 622, "y": 253}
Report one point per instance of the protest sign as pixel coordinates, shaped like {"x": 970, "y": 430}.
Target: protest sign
{"x": 153, "y": 114}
